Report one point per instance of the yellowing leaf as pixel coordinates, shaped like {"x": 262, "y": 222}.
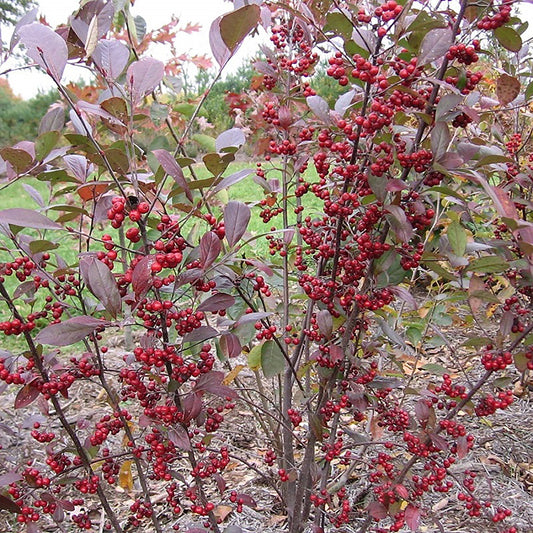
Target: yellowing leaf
{"x": 125, "y": 477}
{"x": 232, "y": 375}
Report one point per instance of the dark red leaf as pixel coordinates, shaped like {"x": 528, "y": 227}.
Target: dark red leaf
{"x": 230, "y": 345}
{"x": 141, "y": 278}
{"x": 27, "y": 218}
{"x": 210, "y": 248}
{"x": 101, "y": 282}
{"x": 7, "y": 504}
{"x": 27, "y": 395}
{"x": 191, "y": 406}
{"x": 462, "y": 447}
{"x": 377, "y": 510}
{"x": 438, "y": 441}
{"x": 171, "y": 167}
{"x": 401, "y": 491}
{"x": 232, "y": 138}
{"x": 212, "y": 382}
{"x": 412, "y": 517}
{"x": 178, "y": 435}
{"x": 247, "y": 500}
{"x": 217, "y": 302}
{"x": 228, "y": 31}
{"x": 8, "y": 478}
{"x": 200, "y": 334}
{"x": 236, "y": 218}
{"x": 325, "y": 323}
{"x": 70, "y": 331}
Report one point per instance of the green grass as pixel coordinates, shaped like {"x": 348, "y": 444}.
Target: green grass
{"x": 247, "y": 191}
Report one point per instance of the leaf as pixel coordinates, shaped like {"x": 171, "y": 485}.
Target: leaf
{"x": 27, "y": 395}
{"x": 45, "y": 47}
{"x": 143, "y": 77}
{"x": 236, "y": 218}
{"x": 436, "y": 369}
{"x": 440, "y": 139}
{"x": 125, "y": 477}
{"x": 488, "y": 265}
{"x": 233, "y": 137}
{"x": 462, "y": 447}
{"x": 178, "y": 436}
{"x": 210, "y": 248}
{"x": 438, "y": 441}
{"x": 111, "y": 57}
{"x": 434, "y": 45}
{"x": 457, "y": 237}
{"x": 171, "y": 167}
{"x": 212, "y": 382}
{"x": 254, "y": 357}
{"x": 27, "y": 218}
{"x": 508, "y": 38}
{"x": 412, "y": 517}
{"x": 377, "y": 510}
{"x": 529, "y": 92}
{"x": 34, "y": 194}
{"x": 399, "y": 223}
{"x": 142, "y": 278}
{"x": 231, "y": 180}
{"x": 324, "y": 321}
{"x": 446, "y": 106}
{"x": 19, "y": 159}
{"x": 230, "y": 345}
{"x": 101, "y": 282}
{"x": 54, "y": 120}
{"x": 45, "y": 143}
{"x": 228, "y": 31}
{"x": 7, "y": 504}
{"x": 70, "y": 331}
{"x": 272, "y": 359}
{"x": 200, "y": 334}
{"x": 217, "y": 302}
{"x": 507, "y": 89}
{"x": 319, "y": 107}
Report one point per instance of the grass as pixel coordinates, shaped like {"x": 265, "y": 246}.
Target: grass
{"x": 19, "y": 195}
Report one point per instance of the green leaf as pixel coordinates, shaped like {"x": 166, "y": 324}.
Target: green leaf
{"x": 457, "y": 237}
{"x": 338, "y": 23}
{"x": 272, "y": 360}
{"x": 205, "y": 141}
{"x": 42, "y": 246}
{"x": 254, "y": 357}
{"x": 488, "y": 265}
{"x": 45, "y": 143}
{"x": 529, "y": 92}
{"x": 508, "y": 38}
{"x": 477, "y": 341}
{"x": 436, "y": 369}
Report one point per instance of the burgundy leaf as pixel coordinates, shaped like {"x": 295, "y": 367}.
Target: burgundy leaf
{"x": 325, "y": 323}
{"x": 404, "y": 294}
{"x": 377, "y": 510}
{"x": 54, "y": 120}
{"x": 435, "y": 44}
{"x": 141, "y": 277}
{"x": 27, "y": 395}
{"x": 503, "y": 203}
{"x": 319, "y": 107}
{"x": 251, "y": 317}
{"x": 101, "y": 282}
{"x": 231, "y": 180}
{"x": 111, "y": 57}
{"x": 143, "y": 77}
{"x": 45, "y": 47}
{"x": 462, "y": 447}
{"x": 221, "y": 486}
{"x": 228, "y": 31}
{"x": 247, "y": 500}
{"x": 191, "y": 406}
{"x": 78, "y": 166}
{"x": 412, "y": 517}
{"x": 440, "y": 139}
{"x": 171, "y": 167}
{"x": 200, "y": 334}
{"x": 212, "y": 382}
{"x": 27, "y": 218}
{"x": 217, "y": 302}
{"x": 336, "y": 354}
{"x": 230, "y": 345}
{"x": 438, "y": 441}
{"x": 236, "y": 218}
{"x": 401, "y": 491}
{"x": 178, "y": 435}
{"x": 70, "y": 331}
{"x": 7, "y": 504}
{"x": 233, "y": 137}
{"x": 210, "y": 248}
{"x": 399, "y": 223}
{"x": 9, "y": 477}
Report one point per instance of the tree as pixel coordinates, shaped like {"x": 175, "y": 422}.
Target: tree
{"x": 393, "y": 222}
{"x": 11, "y": 10}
